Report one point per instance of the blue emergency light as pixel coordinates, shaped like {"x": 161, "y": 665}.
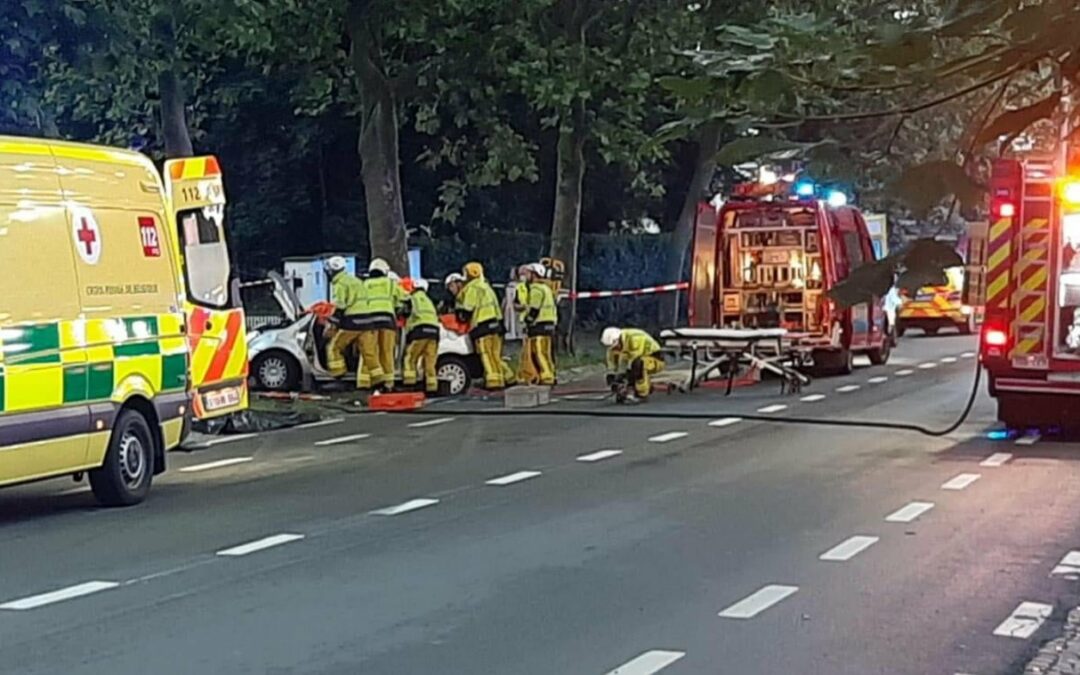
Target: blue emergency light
{"x": 804, "y": 188}
{"x": 836, "y": 198}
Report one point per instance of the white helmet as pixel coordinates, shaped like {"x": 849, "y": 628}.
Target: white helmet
{"x": 610, "y": 336}
{"x": 336, "y": 264}
{"x": 454, "y": 277}
{"x": 538, "y": 269}
{"x": 379, "y": 265}
{"x": 393, "y": 275}
{"x": 420, "y": 284}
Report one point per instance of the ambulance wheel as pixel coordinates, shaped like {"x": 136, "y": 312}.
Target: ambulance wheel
{"x": 124, "y": 479}
{"x": 931, "y": 330}
{"x": 275, "y": 371}
{"x": 900, "y": 330}
{"x": 454, "y": 376}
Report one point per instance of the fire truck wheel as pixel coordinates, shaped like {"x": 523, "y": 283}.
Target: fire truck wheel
{"x": 833, "y": 363}
{"x": 880, "y": 355}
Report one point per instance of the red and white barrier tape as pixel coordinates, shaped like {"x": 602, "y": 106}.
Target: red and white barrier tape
{"x": 648, "y": 290}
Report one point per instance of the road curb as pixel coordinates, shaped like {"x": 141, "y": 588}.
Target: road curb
{"x": 1060, "y": 656}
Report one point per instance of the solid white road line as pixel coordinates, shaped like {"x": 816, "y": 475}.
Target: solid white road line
{"x": 960, "y": 481}
{"x": 1069, "y": 565}
{"x": 908, "y": 513}
{"x": 1024, "y": 620}
{"x": 905, "y": 372}
{"x": 849, "y": 548}
{"x": 648, "y": 663}
{"x": 669, "y": 436}
{"x": 431, "y": 423}
{"x": 215, "y": 465}
{"x": 260, "y": 544}
{"x": 812, "y": 398}
{"x": 848, "y": 388}
{"x": 776, "y": 407}
{"x": 996, "y": 459}
{"x": 878, "y": 380}
{"x": 949, "y": 359}
{"x": 761, "y": 600}
{"x": 599, "y": 455}
{"x": 725, "y": 422}
{"x": 342, "y": 439}
{"x": 968, "y": 355}
{"x": 513, "y": 478}
{"x": 1028, "y": 439}
{"x": 69, "y": 593}
{"x": 927, "y": 366}
{"x": 224, "y": 439}
{"x": 405, "y": 507}
{"x": 320, "y": 423}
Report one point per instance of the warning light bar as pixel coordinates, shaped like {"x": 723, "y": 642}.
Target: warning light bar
{"x": 995, "y": 338}
{"x": 1006, "y": 210}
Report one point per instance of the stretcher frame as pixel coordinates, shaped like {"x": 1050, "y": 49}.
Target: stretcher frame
{"x": 770, "y": 349}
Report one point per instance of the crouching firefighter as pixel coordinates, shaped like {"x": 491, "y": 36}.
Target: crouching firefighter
{"x": 478, "y": 306}
{"x": 632, "y": 356}
{"x": 421, "y": 339}
{"x": 347, "y": 294}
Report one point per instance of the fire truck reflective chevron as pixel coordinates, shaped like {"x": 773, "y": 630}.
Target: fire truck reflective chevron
{"x": 999, "y": 263}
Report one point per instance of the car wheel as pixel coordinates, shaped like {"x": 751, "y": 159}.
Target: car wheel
{"x": 454, "y": 378}
{"x": 276, "y": 371}
{"x": 124, "y": 479}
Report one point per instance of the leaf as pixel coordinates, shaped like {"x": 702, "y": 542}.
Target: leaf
{"x": 904, "y": 50}
{"x": 754, "y": 147}
{"x": 923, "y": 186}
{"x": 1014, "y": 122}
{"x": 744, "y": 36}
{"x": 975, "y": 15}
{"x": 688, "y": 88}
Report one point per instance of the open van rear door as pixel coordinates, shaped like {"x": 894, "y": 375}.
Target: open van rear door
{"x": 215, "y": 319}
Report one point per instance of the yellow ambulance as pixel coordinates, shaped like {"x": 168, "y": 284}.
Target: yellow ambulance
{"x": 118, "y": 317}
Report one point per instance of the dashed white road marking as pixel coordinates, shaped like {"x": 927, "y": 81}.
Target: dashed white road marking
{"x": 948, "y": 359}
{"x": 759, "y": 601}
{"x": 848, "y": 388}
{"x": 224, "y": 439}
{"x": 405, "y": 507}
{"x": 909, "y": 512}
{"x": 516, "y": 477}
{"x": 927, "y": 366}
{"x": 599, "y": 455}
{"x": 1069, "y": 565}
{"x": 849, "y": 548}
{"x": 342, "y": 439}
{"x": 648, "y": 663}
{"x": 260, "y": 544}
{"x": 725, "y": 422}
{"x": 996, "y": 459}
{"x": 1028, "y": 439}
{"x": 774, "y": 408}
{"x": 69, "y": 593}
{"x": 1024, "y": 620}
{"x": 960, "y": 481}
{"x": 431, "y": 423}
{"x": 669, "y": 436}
{"x": 216, "y": 465}
{"x": 878, "y": 380}
{"x": 812, "y": 398}
{"x": 905, "y": 372}
{"x": 968, "y": 355}
{"x": 320, "y": 423}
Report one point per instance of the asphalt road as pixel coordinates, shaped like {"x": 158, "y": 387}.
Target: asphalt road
{"x": 455, "y": 544}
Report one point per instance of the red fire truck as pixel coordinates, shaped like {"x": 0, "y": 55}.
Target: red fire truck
{"x": 767, "y": 262}
{"x": 1031, "y": 335}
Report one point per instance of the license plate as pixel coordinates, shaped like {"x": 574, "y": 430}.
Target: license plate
{"x": 924, "y": 297}
{"x": 224, "y": 398}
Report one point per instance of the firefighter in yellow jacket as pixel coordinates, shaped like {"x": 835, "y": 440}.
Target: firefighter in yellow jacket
{"x": 478, "y": 306}
{"x": 634, "y": 354}
{"x": 383, "y": 300}
{"x": 541, "y": 318}
{"x": 347, "y": 294}
{"x": 421, "y": 339}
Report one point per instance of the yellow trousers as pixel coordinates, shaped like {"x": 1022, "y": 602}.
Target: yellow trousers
{"x": 340, "y": 344}
{"x": 527, "y": 372}
{"x": 497, "y": 373}
{"x": 541, "y": 348}
{"x": 640, "y": 370}
{"x": 387, "y": 355}
{"x": 370, "y": 373}
{"x": 425, "y": 350}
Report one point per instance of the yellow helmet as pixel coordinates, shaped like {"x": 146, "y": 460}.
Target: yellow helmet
{"x": 473, "y": 270}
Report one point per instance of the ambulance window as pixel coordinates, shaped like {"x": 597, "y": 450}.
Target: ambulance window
{"x": 206, "y": 259}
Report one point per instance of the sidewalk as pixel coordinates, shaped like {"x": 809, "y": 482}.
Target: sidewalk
{"x": 1060, "y": 656}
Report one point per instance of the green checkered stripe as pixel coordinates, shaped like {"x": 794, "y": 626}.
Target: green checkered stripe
{"x": 39, "y": 345}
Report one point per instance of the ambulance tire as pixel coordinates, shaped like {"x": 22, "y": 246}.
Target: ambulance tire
{"x": 900, "y": 330}
{"x": 124, "y": 479}
{"x": 931, "y": 331}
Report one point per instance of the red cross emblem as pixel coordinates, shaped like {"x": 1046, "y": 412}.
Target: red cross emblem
{"x": 87, "y": 234}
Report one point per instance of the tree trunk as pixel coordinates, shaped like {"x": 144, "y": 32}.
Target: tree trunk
{"x": 173, "y": 118}
{"x": 704, "y": 168}
{"x": 566, "y": 223}
{"x": 378, "y": 144}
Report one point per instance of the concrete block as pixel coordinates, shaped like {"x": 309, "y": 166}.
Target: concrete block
{"x": 527, "y": 396}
